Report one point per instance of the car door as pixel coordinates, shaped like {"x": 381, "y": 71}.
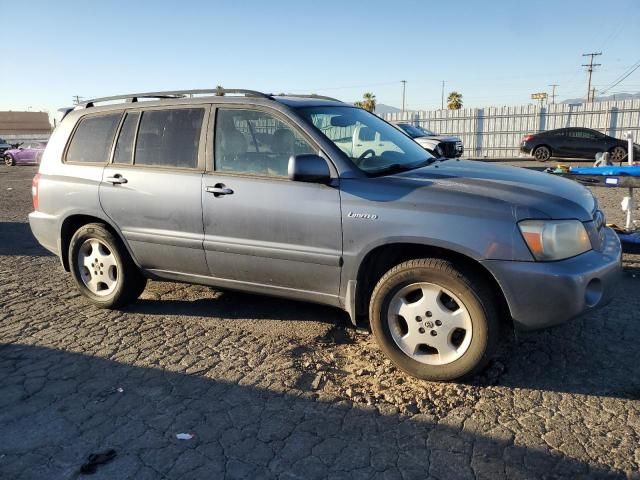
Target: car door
{"x": 21, "y": 154}
{"x": 151, "y": 188}
{"x": 262, "y": 230}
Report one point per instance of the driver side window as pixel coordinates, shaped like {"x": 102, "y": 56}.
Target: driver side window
{"x": 255, "y": 143}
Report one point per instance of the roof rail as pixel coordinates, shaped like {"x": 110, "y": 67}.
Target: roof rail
{"x": 311, "y": 95}
{"x": 133, "y": 97}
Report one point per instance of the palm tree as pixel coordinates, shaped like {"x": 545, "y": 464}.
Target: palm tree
{"x": 368, "y": 102}
{"x": 220, "y": 92}
{"x": 454, "y": 101}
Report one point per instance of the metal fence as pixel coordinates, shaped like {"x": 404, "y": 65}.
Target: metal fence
{"x": 496, "y": 132}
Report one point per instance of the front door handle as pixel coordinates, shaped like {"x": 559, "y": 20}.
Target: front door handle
{"x": 117, "y": 179}
{"x": 219, "y": 189}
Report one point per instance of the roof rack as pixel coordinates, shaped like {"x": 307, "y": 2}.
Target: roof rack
{"x": 311, "y": 95}
{"x": 133, "y": 97}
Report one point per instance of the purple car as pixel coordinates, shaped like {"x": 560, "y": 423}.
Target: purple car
{"x": 26, "y": 154}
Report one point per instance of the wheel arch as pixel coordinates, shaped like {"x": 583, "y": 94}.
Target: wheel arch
{"x": 383, "y": 257}
{"x": 76, "y": 220}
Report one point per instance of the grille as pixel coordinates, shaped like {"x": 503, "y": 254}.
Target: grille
{"x": 449, "y": 149}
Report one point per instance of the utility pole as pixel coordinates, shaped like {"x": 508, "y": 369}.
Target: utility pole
{"x": 593, "y": 94}
{"x": 404, "y": 86}
{"x": 76, "y": 99}
{"x": 590, "y": 66}
{"x": 553, "y": 92}
{"x": 442, "y": 97}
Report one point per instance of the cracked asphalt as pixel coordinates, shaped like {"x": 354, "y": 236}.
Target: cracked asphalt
{"x": 270, "y": 388}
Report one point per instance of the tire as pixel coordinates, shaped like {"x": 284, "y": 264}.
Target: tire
{"x": 9, "y": 161}
{"x": 542, "y": 153}
{"x": 116, "y": 280}
{"x": 473, "y": 345}
{"x": 618, "y": 154}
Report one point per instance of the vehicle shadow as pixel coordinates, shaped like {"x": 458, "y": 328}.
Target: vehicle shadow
{"x": 58, "y": 407}
{"x": 231, "y": 305}
{"x": 16, "y": 239}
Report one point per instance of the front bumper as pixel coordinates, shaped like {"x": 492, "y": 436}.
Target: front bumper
{"x": 543, "y": 294}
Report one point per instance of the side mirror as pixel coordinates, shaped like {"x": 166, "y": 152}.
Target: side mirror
{"x": 20, "y": 148}
{"x": 309, "y": 168}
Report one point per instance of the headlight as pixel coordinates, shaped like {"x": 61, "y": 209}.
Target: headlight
{"x": 555, "y": 239}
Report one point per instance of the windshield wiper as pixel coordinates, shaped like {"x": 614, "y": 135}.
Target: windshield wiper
{"x": 401, "y": 167}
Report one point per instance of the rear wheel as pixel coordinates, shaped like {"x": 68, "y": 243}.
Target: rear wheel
{"x": 9, "y": 161}
{"x": 542, "y": 153}
{"x": 102, "y": 268}
{"x": 618, "y": 154}
{"x": 433, "y": 320}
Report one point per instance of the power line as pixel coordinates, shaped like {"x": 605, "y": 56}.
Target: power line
{"x": 590, "y": 66}
{"x": 622, "y": 77}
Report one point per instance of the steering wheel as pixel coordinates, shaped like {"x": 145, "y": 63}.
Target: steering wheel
{"x": 363, "y": 156}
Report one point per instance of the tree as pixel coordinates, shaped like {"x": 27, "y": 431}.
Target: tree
{"x": 454, "y": 101}
{"x": 368, "y": 102}
{"x": 220, "y": 92}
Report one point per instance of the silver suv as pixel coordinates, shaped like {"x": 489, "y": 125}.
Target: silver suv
{"x": 274, "y": 195}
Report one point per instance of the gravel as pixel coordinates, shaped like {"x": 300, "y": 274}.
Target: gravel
{"x": 270, "y": 388}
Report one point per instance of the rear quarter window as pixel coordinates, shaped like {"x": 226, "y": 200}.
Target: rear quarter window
{"x": 92, "y": 139}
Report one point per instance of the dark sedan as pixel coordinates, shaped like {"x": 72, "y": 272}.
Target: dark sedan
{"x": 574, "y": 143}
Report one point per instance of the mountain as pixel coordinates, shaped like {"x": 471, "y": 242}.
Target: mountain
{"x": 381, "y": 109}
{"x": 606, "y": 98}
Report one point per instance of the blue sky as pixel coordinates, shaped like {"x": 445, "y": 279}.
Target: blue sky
{"x": 493, "y": 52}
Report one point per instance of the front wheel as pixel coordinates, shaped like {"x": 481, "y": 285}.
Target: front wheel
{"x": 542, "y": 153}
{"x": 102, "y": 268}
{"x": 618, "y": 154}
{"x": 433, "y": 320}
{"x": 9, "y": 161}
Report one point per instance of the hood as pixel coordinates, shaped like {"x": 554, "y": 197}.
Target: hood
{"x": 438, "y": 138}
{"x": 533, "y": 194}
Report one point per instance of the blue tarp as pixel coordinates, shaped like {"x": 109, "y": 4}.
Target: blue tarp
{"x": 609, "y": 171}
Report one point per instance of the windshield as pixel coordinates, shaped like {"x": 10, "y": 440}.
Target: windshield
{"x": 373, "y": 145}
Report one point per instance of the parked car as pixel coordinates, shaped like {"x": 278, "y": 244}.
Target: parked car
{"x": 26, "y": 154}
{"x": 442, "y": 145}
{"x": 270, "y": 195}
{"x": 4, "y": 146}
{"x": 574, "y": 143}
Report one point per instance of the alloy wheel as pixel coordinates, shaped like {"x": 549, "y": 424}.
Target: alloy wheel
{"x": 542, "y": 154}
{"x": 618, "y": 154}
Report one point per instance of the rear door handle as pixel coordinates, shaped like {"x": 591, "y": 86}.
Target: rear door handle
{"x": 116, "y": 179}
{"x": 219, "y": 189}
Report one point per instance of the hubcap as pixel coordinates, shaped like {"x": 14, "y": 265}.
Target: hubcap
{"x": 429, "y": 323}
{"x": 98, "y": 267}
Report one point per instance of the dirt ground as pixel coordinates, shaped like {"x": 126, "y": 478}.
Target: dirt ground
{"x": 269, "y": 388}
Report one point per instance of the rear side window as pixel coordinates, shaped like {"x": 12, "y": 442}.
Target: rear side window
{"x": 124, "y": 145}
{"x": 169, "y": 138}
{"x": 92, "y": 140}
